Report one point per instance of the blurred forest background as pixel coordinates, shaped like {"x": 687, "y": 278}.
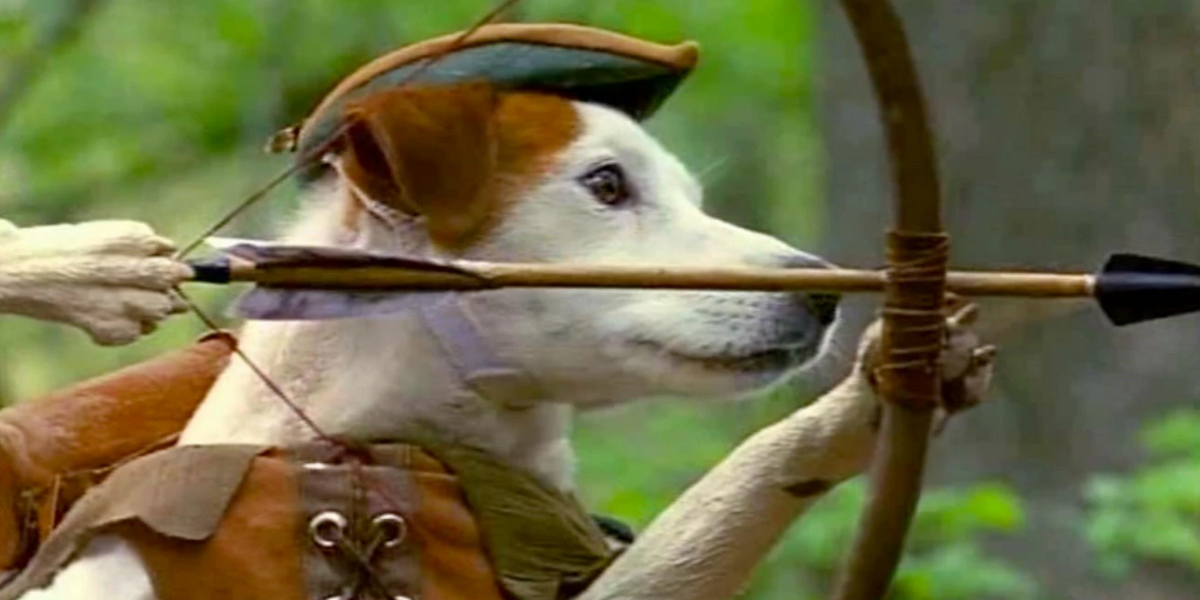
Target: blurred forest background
{"x": 1068, "y": 129}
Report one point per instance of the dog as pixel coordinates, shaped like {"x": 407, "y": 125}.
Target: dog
{"x": 571, "y": 183}
{"x": 465, "y": 171}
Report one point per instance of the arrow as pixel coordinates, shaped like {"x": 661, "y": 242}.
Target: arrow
{"x": 297, "y": 282}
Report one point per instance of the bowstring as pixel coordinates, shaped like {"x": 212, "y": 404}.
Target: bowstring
{"x": 314, "y": 153}
{"x": 461, "y": 39}
{"x": 301, "y": 162}
{"x": 304, "y": 160}
{"x": 258, "y": 371}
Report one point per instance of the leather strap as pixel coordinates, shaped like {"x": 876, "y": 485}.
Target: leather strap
{"x": 480, "y": 368}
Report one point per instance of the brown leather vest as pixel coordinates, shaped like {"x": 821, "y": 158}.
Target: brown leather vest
{"x": 315, "y": 522}
{"x": 319, "y": 521}
{"x": 238, "y": 521}
{"x": 54, "y": 448}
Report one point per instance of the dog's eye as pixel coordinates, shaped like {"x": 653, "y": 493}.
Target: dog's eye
{"x": 608, "y": 184}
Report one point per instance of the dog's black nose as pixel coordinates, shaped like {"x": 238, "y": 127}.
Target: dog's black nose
{"x": 823, "y": 307}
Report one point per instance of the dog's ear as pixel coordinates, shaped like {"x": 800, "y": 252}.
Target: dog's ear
{"x": 430, "y": 152}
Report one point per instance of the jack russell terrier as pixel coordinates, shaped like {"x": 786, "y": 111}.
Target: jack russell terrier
{"x": 471, "y": 170}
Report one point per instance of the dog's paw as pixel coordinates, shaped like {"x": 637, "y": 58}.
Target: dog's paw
{"x": 966, "y": 363}
{"x": 113, "y": 279}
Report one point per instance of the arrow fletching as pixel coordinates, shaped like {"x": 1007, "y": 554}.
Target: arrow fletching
{"x": 269, "y": 257}
{"x": 1134, "y": 289}
{"x": 281, "y": 304}
{"x": 284, "y": 299}
{"x": 306, "y": 282}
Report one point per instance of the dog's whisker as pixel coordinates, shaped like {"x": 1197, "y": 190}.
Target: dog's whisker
{"x": 714, "y": 168}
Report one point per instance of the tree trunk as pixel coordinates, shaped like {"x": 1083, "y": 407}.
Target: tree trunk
{"x": 1067, "y": 129}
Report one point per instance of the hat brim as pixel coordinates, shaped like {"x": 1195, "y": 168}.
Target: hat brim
{"x": 580, "y": 63}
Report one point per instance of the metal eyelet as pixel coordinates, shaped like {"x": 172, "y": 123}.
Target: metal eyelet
{"x": 327, "y": 529}
{"x": 393, "y": 527}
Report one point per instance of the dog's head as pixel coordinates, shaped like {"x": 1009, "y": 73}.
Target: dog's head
{"x": 466, "y": 171}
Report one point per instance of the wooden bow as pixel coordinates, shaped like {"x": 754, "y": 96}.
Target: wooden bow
{"x": 913, "y": 326}
{"x": 914, "y": 289}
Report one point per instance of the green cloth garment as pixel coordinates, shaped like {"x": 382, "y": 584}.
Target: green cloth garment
{"x": 543, "y": 543}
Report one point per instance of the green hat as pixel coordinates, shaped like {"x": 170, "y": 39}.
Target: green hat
{"x": 581, "y": 63}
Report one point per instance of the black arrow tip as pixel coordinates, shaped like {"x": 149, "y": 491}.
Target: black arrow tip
{"x": 1134, "y": 289}
{"x": 214, "y": 270}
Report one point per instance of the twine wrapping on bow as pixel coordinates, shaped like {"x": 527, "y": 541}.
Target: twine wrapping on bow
{"x": 913, "y": 321}
{"x": 916, "y": 333}
{"x": 909, "y": 381}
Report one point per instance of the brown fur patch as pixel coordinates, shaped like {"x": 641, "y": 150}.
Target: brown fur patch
{"x": 455, "y": 155}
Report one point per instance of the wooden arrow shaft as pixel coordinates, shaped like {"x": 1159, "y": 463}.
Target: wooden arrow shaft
{"x": 481, "y": 275}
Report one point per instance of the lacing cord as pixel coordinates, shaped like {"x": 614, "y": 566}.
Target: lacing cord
{"x": 330, "y": 531}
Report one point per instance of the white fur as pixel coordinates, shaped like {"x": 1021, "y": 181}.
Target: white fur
{"x": 380, "y": 377}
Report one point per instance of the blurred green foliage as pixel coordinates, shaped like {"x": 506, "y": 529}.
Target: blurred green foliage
{"x": 157, "y": 111}
{"x": 1152, "y": 514}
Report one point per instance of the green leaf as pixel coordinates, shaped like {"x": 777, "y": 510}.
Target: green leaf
{"x": 1177, "y": 434}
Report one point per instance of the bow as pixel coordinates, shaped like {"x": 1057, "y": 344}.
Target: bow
{"x": 914, "y": 284}
{"x": 912, "y": 320}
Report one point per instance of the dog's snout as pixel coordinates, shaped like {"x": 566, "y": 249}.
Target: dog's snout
{"x": 823, "y": 307}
